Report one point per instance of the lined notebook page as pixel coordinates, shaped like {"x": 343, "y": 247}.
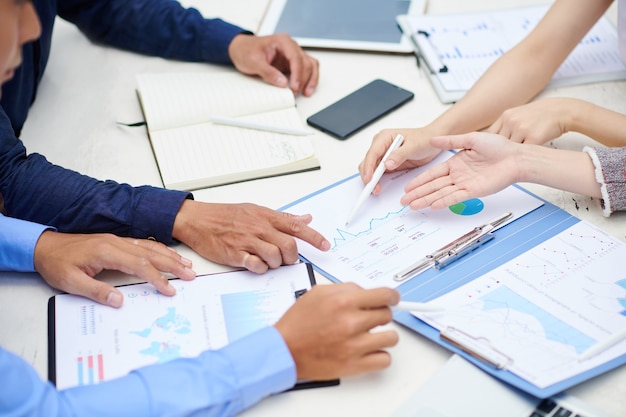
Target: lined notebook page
{"x": 193, "y": 153}
{"x": 171, "y": 100}
{"x": 228, "y": 154}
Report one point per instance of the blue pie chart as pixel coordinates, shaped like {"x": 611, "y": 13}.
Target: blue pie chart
{"x": 468, "y": 207}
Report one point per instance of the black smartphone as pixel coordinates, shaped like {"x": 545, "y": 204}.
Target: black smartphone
{"x": 359, "y": 108}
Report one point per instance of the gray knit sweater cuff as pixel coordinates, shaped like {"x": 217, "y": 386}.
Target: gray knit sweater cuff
{"x": 610, "y": 170}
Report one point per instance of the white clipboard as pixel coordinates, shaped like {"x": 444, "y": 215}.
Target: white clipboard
{"x": 465, "y": 45}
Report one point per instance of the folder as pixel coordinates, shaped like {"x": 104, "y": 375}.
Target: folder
{"x": 510, "y": 241}
{"x": 514, "y": 239}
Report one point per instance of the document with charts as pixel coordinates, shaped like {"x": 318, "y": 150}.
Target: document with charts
{"x": 467, "y": 44}
{"x": 91, "y": 343}
{"x": 386, "y": 237}
{"x": 545, "y": 307}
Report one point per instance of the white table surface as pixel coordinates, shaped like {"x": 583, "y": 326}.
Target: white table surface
{"x": 87, "y": 88}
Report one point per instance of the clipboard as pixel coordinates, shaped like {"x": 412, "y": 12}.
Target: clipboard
{"x": 467, "y": 44}
{"x": 89, "y": 343}
{"x": 510, "y": 241}
{"x": 356, "y": 25}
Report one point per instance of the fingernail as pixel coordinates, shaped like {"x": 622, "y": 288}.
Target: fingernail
{"x": 185, "y": 261}
{"x": 390, "y": 164}
{"x": 281, "y": 80}
{"x": 171, "y": 289}
{"x": 325, "y": 245}
{"x": 190, "y": 272}
{"x": 115, "y": 299}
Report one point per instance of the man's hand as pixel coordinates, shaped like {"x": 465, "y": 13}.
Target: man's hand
{"x": 277, "y": 59}
{"x": 244, "y": 235}
{"x": 328, "y": 330}
{"x": 69, "y": 262}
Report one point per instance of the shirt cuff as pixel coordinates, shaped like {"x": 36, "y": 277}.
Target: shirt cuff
{"x": 156, "y": 211}
{"x": 265, "y": 352}
{"x": 18, "y": 239}
{"x": 216, "y": 40}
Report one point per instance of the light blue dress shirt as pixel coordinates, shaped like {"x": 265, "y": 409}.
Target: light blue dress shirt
{"x": 17, "y": 244}
{"x": 216, "y": 383}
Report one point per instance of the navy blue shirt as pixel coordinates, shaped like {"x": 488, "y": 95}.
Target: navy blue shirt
{"x": 38, "y": 191}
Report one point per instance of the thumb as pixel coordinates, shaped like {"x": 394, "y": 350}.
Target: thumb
{"x": 452, "y": 142}
{"x": 397, "y": 158}
{"x": 101, "y": 292}
{"x": 272, "y": 75}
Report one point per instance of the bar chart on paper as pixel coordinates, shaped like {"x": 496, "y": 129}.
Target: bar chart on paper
{"x": 249, "y": 311}
{"x": 89, "y": 369}
{"x": 467, "y": 44}
{"x": 386, "y": 237}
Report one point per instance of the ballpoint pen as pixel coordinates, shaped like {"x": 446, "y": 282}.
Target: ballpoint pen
{"x": 603, "y": 345}
{"x": 233, "y": 121}
{"x": 454, "y": 250}
{"x": 415, "y": 306}
{"x": 378, "y": 173}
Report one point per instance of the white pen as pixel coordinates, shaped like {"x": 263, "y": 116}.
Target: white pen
{"x": 603, "y": 345}
{"x": 233, "y": 121}
{"x": 415, "y": 306}
{"x": 378, "y": 173}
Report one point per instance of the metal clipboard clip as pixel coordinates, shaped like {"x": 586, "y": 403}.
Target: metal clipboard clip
{"x": 454, "y": 250}
{"x": 478, "y": 347}
{"x": 428, "y": 52}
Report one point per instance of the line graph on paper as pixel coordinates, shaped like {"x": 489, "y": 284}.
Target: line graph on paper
{"x": 385, "y": 237}
{"x": 548, "y": 305}
{"x": 344, "y": 236}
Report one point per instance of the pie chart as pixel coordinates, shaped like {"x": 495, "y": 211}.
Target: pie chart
{"x": 468, "y": 207}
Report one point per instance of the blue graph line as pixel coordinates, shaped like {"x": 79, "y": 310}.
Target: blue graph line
{"x": 345, "y": 235}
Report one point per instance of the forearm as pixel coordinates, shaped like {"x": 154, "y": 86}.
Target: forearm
{"x": 524, "y": 71}
{"x": 501, "y": 87}
{"x": 600, "y": 124}
{"x": 154, "y": 27}
{"x": 216, "y": 383}
{"x": 567, "y": 170}
{"x": 38, "y": 191}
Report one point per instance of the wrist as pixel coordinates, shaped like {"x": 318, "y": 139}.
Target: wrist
{"x": 529, "y": 162}
{"x": 182, "y": 222}
{"x": 41, "y": 248}
{"x": 235, "y": 42}
{"x": 577, "y": 111}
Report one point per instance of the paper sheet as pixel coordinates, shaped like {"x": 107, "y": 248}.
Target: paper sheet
{"x": 468, "y": 44}
{"x": 545, "y": 307}
{"x": 386, "y": 237}
{"x": 95, "y": 343}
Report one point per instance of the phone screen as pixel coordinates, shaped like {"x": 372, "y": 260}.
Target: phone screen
{"x": 360, "y": 108}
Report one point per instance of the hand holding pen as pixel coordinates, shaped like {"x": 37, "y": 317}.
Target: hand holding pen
{"x": 376, "y": 176}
